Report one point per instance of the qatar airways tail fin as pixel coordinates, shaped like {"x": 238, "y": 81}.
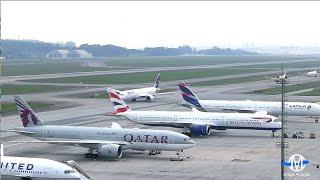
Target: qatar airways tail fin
{"x": 118, "y": 104}
{"x": 28, "y": 117}
{"x": 189, "y": 96}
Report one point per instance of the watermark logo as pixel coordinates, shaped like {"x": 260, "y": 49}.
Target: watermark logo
{"x": 296, "y": 163}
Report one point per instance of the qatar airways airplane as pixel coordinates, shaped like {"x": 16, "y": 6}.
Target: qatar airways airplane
{"x": 147, "y": 93}
{"x": 199, "y": 123}
{"x": 269, "y": 107}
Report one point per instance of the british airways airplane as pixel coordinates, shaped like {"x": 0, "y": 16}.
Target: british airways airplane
{"x": 269, "y": 107}
{"x": 147, "y": 93}
{"x": 199, "y": 123}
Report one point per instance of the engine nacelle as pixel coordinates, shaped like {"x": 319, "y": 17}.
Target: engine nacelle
{"x": 149, "y": 98}
{"x": 201, "y": 130}
{"x": 110, "y": 151}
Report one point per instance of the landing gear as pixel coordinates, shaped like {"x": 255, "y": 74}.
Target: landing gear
{"x": 272, "y": 135}
{"x": 154, "y": 152}
{"x": 90, "y": 154}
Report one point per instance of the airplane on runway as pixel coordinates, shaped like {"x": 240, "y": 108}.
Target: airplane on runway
{"x": 38, "y": 168}
{"x": 278, "y": 79}
{"x": 314, "y": 73}
{"x": 142, "y": 93}
{"x": 107, "y": 142}
{"x": 272, "y": 108}
{"x": 197, "y": 122}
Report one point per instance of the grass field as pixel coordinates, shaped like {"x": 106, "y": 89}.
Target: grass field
{"x": 10, "y": 89}
{"x": 36, "y": 66}
{"x": 310, "y": 93}
{"x": 143, "y": 77}
{"x": 289, "y": 88}
{"x": 11, "y": 107}
{"x": 229, "y": 81}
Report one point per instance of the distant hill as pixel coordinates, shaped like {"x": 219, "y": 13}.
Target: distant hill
{"x": 27, "y": 49}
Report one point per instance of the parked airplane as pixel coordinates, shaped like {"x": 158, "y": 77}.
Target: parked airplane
{"x": 142, "y": 93}
{"x": 279, "y": 78}
{"x": 272, "y": 108}
{"x": 38, "y": 168}
{"x": 314, "y": 73}
{"x": 107, "y": 142}
{"x": 197, "y": 122}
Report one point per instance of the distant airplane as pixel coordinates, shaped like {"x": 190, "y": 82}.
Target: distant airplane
{"x": 38, "y": 168}
{"x": 272, "y": 108}
{"x": 197, "y": 122}
{"x": 142, "y": 93}
{"x": 279, "y": 78}
{"x": 107, "y": 142}
{"x": 314, "y": 73}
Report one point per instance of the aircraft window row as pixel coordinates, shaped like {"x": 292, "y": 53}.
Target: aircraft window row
{"x": 36, "y": 172}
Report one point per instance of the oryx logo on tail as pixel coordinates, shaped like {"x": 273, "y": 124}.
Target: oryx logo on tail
{"x": 27, "y": 115}
{"x": 189, "y": 96}
{"x": 118, "y": 104}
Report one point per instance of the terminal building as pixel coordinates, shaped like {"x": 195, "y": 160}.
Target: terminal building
{"x": 58, "y": 54}
{"x": 63, "y": 54}
{"x": 79, "y": 54}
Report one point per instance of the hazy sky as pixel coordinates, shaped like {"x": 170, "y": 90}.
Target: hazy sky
{"x": 140, "y": 24}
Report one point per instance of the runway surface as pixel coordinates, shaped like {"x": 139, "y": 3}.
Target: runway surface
{"x": 230, "y": 154}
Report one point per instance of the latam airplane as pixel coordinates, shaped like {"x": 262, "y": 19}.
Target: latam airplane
{"x": 197, "y": 122}
{"x": 38, "y": 168}
{"x": 107, "y": 142}
{"x": 314, "y": 73}
{"x": 269, "y": 107}
{"x": 142, "y": 93}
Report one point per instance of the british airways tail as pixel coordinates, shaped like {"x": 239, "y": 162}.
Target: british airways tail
{"x": 118, "y": 104}
{"x": 157, "y": 81}
{"x": 28, "y": 117}
{"x": 189, "y": 96}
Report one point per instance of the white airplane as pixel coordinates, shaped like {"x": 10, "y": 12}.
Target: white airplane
{"x": 106, "y": 142}
{"x": 38, "y": 168}
{"x": 142, "y": 93}
{"x": 197, "y": 122}
{"x": 272, "y": 108}
{"x": 279, "y": 78}
{"x": 314, "y": 73}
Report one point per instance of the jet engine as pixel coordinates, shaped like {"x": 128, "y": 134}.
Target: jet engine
{"x": 110, "y": 151}
{"x": 149, "y": 98}
{"x": 200, "y": 130}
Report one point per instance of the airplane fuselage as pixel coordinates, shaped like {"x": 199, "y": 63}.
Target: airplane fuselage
{"x": 137, "y": 139}
{"x": 214, "y": 120}
{"x": 273, "y": 108}
{"x": 135, "y": 94}
{"x": 36, "y": 168}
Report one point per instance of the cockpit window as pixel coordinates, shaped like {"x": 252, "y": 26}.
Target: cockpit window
{"x": 187, "y": 139}
{"x": 276, "y": 120}
{"x": 69, "y": 171}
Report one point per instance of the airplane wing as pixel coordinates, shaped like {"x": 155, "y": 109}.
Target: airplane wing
{"x": 17, "y": 131}
{"x": 82, "y": 143}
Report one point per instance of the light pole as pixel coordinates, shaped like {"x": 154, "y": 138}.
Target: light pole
{"x": 283, "y": 81}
